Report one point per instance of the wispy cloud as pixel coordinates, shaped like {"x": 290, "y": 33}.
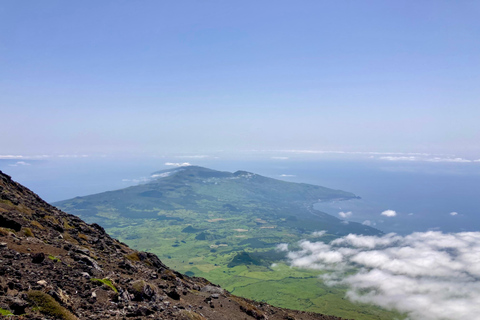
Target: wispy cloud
{"x": 345, "y": 215}
{"x": 429, "y": 275}
{"x": 161, "y": 175}
{"x": 137, "y": 180}
{"x": 287, "y": 175}
{"x": 387, "y": 156}
{"x": 354, "y": 152}
{"x": 17, "y": 156}
{"x": 20, "y": 163}
{"x": 389, "y": 213}
{"x": 454, "y": 213}
{"x": 427, "y": 159}
{"x": 177, "y": 164}
{"x": 279, "y": 158}
{"x": 368, "y": 223}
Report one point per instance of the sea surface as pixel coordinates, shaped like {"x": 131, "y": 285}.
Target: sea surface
{"x": 424, "y": 195}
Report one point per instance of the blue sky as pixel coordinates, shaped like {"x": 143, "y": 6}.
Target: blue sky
{"x": 150, "y": 77}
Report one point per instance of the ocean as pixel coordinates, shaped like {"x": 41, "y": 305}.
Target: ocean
{"x": 423, "y": 195}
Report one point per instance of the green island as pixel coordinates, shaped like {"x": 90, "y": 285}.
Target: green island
{"x": 225, "y": 227}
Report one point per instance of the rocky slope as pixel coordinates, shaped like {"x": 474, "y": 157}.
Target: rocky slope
{"x": 55, "y": 266}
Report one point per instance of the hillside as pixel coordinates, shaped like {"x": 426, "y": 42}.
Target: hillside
{"x": 225, "y": 227}
{"x": 55, "y": 266}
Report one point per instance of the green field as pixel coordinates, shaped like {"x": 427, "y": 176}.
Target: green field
{"x": 225, "y": 227}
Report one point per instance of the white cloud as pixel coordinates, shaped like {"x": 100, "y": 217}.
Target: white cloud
{"x": 453, "y": 213}
{"x": 428, "y": 275}
{"x": 345, "y": 214}
{"x": 282, "y": 247}
{"x": 287, "y": 175}
{"x": 389, "y": 213}
{"x": 319, "y": 233}
{"x": 280, "y": 158}
{"x": 9, "y": 156}
{"x": 367, "y": 223}
{"x": 20, "y": 163}
{"x": 177, "y": 164}
{"x": 394, "y": 158}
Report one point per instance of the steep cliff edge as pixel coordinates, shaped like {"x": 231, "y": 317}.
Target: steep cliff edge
{"x": 55, "y": 266}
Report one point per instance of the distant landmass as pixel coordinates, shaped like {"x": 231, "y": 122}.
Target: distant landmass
{"x": 242, "y": 199}
{"x": 226, "y": 227}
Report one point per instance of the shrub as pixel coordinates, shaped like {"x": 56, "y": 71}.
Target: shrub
{"x": 4, "y": 312}
{"x": 46, "y": 304}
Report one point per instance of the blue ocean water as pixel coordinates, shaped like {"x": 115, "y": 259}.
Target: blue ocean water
{"x": 424, "y": 195}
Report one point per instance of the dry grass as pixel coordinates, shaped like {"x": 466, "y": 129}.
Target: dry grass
{"x": 37, "y": 224}
{"x": 66, "y": 226}
{"x": 133, "y": 256}
{"x": 5, "y": 231}
{"x": 28, "y": 232}
{"x": 249, "y": 308}
{"x": 69, "y": 238}
{"x": 190, "y": 315}
{"x": 52, "y": 219}
{"x": 84, "y": 237}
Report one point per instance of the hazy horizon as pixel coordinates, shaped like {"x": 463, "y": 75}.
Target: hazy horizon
{"x": 117, "y": 77}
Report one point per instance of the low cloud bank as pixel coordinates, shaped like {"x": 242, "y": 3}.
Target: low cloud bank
{"x": 429, "y": 275}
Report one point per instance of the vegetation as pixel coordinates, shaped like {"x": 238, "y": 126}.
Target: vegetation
{"x": 4, "y": 312}
{"x": 225, "y": 227}
{"x": 249, "y": 309}
{"x": 28, "y": 232}
{"x": 46, "y": 304}
{"x": 190, "y": 315}
{"x": 53, "y": 258}
{"x": 133, "y": 256}
{"x": 106, "y": 282}
{"x": 5, "y": 231}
